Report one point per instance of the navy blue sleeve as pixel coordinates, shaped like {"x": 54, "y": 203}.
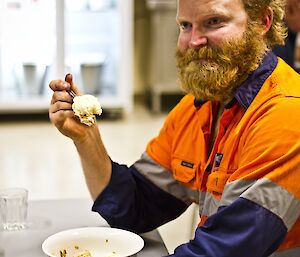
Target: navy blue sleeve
{"x": 240, "y": 229}
{"x": 132, "y": 202}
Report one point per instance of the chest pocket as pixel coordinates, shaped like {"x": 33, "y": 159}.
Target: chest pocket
{"x": 184, "y": 171}
{"x": 216, "y": 181}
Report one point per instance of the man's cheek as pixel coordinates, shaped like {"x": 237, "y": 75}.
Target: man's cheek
{"x": 183, "y": 43}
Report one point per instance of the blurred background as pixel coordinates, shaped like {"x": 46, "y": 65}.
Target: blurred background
{"x": 117, "y": 50}
{"x": 122, "y": 51}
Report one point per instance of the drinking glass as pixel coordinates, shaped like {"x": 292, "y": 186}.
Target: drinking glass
{"x": 13, "y": 208}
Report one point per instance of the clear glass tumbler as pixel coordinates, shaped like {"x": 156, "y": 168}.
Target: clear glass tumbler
{"x": 13, "y": 208}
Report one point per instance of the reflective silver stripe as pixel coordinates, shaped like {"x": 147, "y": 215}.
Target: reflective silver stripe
{"x": 276, "y": 199}
{"x": 267, "y": 194}
{"x": 164, "y": 179}
{"x": 211, "y": 205}
{"x": 233, "y": 190}
{"x": 295, "y": 252}
{"x": 202, "y": 196}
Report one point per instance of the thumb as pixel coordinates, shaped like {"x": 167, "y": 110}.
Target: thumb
{"x": 69, "y": 79}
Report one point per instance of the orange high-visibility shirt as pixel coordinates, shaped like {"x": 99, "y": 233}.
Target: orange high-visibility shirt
{"x": 256, "y": 154}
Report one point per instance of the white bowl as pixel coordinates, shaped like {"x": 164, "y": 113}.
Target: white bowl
{"x": 99, "y": 241}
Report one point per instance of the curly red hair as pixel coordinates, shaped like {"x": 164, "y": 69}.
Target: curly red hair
{"x": 278, "y": 29}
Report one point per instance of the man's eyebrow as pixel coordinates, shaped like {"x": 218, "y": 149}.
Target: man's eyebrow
{"x": 179, "y": 19}
{"x": 216, "y": 11}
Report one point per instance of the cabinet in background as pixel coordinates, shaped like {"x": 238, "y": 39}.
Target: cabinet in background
{"x": 164, "y": 33}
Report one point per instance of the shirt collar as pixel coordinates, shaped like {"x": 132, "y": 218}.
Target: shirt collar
{"x": 198, "y": 103}
{"x": 246, "y": 93}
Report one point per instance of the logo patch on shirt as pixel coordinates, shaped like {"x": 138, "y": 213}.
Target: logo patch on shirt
{"x": 218, "y": 159}
{"x": 187, "y": 164}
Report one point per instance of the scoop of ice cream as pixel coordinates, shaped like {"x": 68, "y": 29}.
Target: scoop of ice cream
{"x": 86, "y": 107}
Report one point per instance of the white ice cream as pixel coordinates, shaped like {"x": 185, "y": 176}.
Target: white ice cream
{"x": 86, "y": 107}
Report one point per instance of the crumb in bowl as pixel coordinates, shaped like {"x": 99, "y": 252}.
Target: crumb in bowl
{"x": 63, "y": 253}
{"x": 86, "y": 107}
{"x": 113, "y": 254}
{"x": 76, "y": 252}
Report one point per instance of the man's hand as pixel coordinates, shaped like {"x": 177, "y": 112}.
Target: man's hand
{"x": 60, "y": 111}
{"x": 293, "y": 15}
{"x": 94, "y": 159}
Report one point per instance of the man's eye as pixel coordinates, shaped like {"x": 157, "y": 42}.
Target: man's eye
{"x": 185, "y": 25}
{"x": 214, "y": 21}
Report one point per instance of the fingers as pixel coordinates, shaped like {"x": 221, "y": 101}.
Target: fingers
{"x": 60, "y": 106}
{"x": 59, "y": 85}
{"x": 61, "y": 96}
{"x": 60, "y": 111}
{"x": 61, "y": 101}
{"x": 69, "y": 79}
{"x": 59, "y": 118}
{"x": 68, "y": 84}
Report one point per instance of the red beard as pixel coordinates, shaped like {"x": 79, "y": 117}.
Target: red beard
{"x": 213, "y": 73}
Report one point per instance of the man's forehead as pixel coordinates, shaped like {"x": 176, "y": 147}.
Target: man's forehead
{"x": 212, "y": 3}
{"x": 203, "y": 7}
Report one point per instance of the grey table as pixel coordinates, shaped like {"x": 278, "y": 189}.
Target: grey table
{"x": 47, "y": 217}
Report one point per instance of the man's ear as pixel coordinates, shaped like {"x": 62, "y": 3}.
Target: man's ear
{"x": 267, "y": 20}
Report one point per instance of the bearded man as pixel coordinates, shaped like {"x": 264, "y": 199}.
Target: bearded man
{"x": 231, "y": 144}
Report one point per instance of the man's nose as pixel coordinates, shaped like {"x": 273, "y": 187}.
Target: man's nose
{"x": 198, "y": 39}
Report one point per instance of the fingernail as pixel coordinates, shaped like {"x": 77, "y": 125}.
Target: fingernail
{"x": 67, "y": 75}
